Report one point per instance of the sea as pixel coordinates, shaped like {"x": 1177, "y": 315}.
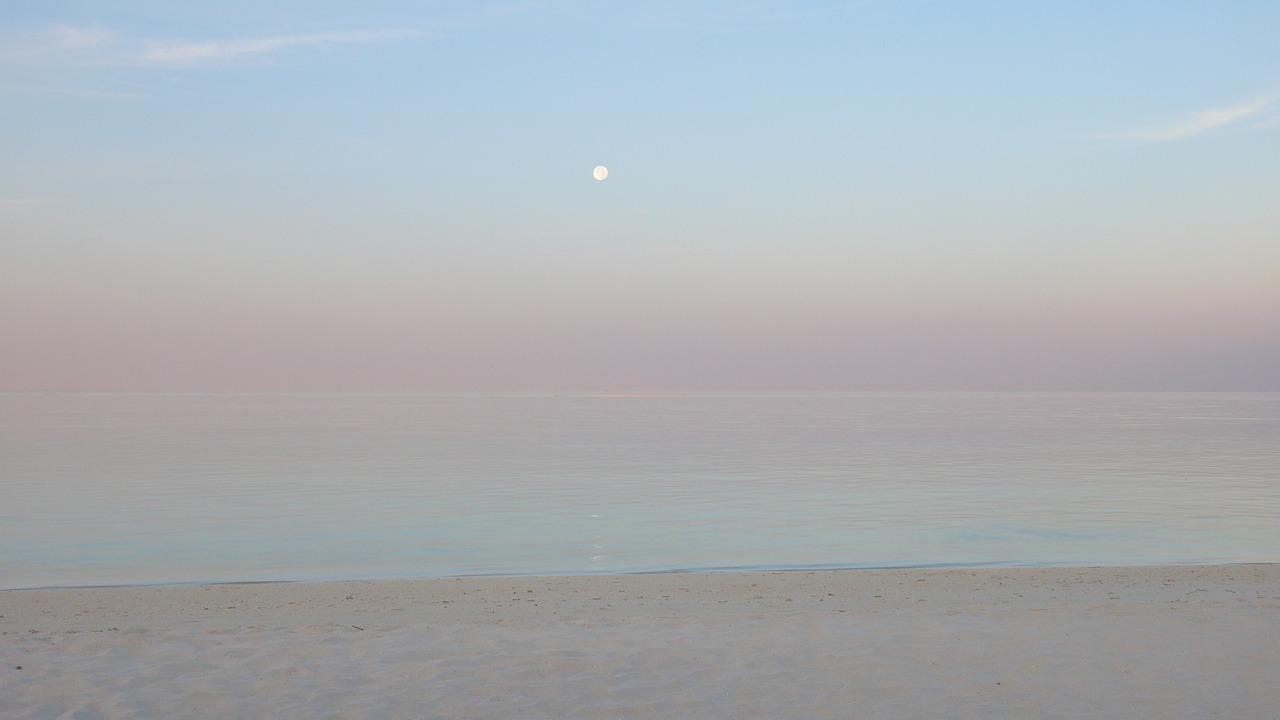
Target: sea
{"x": 143, "y": 489}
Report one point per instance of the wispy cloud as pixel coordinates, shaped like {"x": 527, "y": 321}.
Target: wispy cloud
{"x": 58, "y": 44}
{"x": 68, "y": 45}
{"x": 13, "y": 205}
{"x": 1203, "y": 122}
{"x": 68, "y": 92}
{"x": 67, "y": 36}
{"x": 193, "y": 53}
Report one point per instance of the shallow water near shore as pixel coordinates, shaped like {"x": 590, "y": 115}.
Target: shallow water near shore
{"x": 107, "y": 489}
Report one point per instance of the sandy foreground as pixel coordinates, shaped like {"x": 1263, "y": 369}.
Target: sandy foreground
{"x": 1140, "y": 642}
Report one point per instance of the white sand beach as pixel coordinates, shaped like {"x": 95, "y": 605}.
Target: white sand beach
{"x": 1136, "y": 642}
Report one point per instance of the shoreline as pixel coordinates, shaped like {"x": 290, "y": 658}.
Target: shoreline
{"x": 479, "y": 598}
{"x": 1175, "y": 642}
{"x": 708, "y": 570}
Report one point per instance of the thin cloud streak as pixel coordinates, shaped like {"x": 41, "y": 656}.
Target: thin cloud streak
{"x": 1202, "y": 122}
{"x": 67, "y": 36}
{"x": 11, "y": 206}
{"x": 58, "y": 44}
{"x": 191, "y": 53}
{"x": 70, "y": 92}
{"x": 93, "y": 46}
{"x": 21, "y": 202}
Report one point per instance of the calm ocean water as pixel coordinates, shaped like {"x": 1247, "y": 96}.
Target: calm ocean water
{"x": 139, "y": 489}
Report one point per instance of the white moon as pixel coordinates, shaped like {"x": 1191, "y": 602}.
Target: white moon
{"x": 601, "y": 172}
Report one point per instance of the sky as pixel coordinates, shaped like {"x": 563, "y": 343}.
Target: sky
{"x": 321, "y": 196}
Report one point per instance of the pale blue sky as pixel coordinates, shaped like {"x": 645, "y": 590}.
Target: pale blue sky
{"x": 821, "y": 195}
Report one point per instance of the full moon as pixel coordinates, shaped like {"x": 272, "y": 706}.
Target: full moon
{"x": 601, "y": 172}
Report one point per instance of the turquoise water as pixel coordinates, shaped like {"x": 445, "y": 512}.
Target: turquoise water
{"x": 140, "y": 489}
